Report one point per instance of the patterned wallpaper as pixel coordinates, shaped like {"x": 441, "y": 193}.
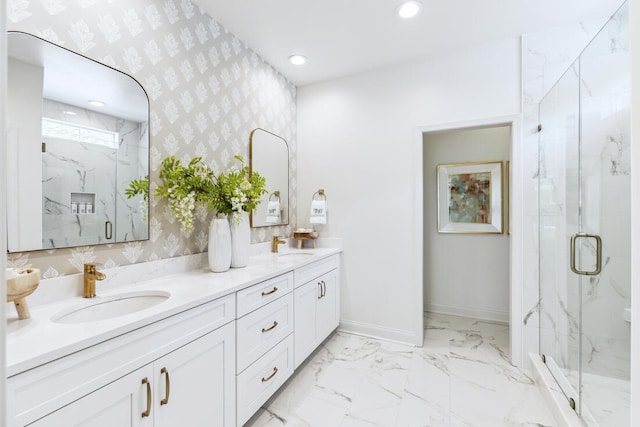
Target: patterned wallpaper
{"x": 207, "y": 91}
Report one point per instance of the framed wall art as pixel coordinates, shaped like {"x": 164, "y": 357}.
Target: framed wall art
{"x": 470, "y": 198}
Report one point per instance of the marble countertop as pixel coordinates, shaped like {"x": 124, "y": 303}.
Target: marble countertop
{"x": 39, "y": 340}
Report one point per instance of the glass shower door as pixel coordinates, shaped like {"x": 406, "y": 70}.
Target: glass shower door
{"x": 559, "y": 219}
{"x": 584, "y": 228}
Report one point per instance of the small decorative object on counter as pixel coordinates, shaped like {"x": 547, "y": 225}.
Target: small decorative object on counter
{"x": 302, "y": 234}
{"x": 20, "y": 284}
{"x": 219, "y": 244}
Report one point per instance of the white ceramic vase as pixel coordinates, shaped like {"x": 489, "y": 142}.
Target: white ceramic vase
{"x": 219, "y": 245}
{"x": 240, "y": 240}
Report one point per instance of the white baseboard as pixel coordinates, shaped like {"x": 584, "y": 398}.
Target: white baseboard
{"x": 475, "y": 313}
{"x": 380, "y": 332}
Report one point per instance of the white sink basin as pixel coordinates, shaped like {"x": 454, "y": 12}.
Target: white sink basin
{"x": 110, "y": 307}
{"x": 294, "y": 255}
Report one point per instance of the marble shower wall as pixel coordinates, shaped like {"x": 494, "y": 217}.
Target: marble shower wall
{"x": 598, "y": 109}
{"x": 207, "y": 91}
{"x": 95, "y": 174}
{"x": 546, "y": 55}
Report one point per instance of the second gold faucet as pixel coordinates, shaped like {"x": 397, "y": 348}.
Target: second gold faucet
{"x": 275, "y": 242}
{"x": 91, "y": 274}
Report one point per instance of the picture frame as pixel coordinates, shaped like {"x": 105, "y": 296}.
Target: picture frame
{"x": 470, "y": 198}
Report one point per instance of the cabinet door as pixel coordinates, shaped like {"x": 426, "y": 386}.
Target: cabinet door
{"x": 120, "y": 403}
{"x": 195, "y": 384}
{"x": 305, "y": 298}
{"x": 328, "y": 305}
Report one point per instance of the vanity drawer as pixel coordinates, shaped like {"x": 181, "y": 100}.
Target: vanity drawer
{"x": 260, "y": 330}
{"x": 260, "y": 380}
{"x": 263, "y": 293}
{"x": 309, "y": 272}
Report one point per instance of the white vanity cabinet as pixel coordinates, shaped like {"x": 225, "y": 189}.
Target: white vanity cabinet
{"x": 187, "y": 359}
{"x": 317, "y": 305}
{"x": 264, "y": 342}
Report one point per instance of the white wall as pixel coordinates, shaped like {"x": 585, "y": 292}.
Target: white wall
{"x": 464, "y": 274}
{"x": 361, "y": 130}
{"x": 634, "y": 16}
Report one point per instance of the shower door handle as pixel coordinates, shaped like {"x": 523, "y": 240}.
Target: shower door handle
{"x": 572, "y": 256}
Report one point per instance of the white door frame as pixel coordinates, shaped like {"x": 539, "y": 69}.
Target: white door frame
{"x": 516, "y": 212}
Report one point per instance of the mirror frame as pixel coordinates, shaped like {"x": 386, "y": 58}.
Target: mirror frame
{"x": 119, "y": 192}
{"x": 251, "y": 161}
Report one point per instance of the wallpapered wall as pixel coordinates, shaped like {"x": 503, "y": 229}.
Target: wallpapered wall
{"x": 207, "y": 91}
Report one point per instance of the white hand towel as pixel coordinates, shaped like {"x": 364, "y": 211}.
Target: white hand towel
{"x": 318, "y": 212}
{"x": 273, "y": 212}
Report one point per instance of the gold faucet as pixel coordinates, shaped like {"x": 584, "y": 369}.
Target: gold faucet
{"x": 275, "y": 242}
{"x": 91, "y": 274}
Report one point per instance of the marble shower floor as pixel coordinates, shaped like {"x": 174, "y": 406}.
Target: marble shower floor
{"x": 461, "y": 377}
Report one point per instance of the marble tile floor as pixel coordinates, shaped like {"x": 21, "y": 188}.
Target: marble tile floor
{"x": 461, "y": 377}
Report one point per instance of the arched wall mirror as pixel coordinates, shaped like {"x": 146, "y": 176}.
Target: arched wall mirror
{"x": 269, "y": 156}
{"x": 77, "y": 135}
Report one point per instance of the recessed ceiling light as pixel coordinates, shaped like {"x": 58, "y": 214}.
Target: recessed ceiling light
{"x": 69, "y": 113}
{"x": 297, "y": 59}
{"x": 96, "y": 103}
{"x": 409, "y": 9}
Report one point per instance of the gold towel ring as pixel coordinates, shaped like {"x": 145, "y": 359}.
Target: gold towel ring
{"x": 319, "y": 193}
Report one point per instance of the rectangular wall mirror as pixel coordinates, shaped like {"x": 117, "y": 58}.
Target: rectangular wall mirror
{"x": 77, "y": 135}
{"x": 269, "y": 156}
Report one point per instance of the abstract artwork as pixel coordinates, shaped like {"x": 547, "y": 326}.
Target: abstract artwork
{"x": 470, "y": 198}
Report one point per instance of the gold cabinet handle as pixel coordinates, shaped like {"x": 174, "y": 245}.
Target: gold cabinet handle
{"x": 273, "y": 374}
{"x": 270, "y": 327}
{"x": 274, "y": 290}
{"x": 148, "y": 411}
{"x": 323, "y": 289}
{"x": 167, "y": 386}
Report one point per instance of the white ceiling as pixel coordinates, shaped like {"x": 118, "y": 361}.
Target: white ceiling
{"x": 344, "y": 37}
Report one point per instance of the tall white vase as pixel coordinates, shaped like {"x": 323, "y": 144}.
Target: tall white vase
{"x": 219, "y": 245}
{"x": 240, "y": 240}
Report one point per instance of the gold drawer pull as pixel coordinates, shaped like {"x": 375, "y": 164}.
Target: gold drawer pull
{"x": 264, "y": 294}
{"x": 275, "y": 371}
{"x": 167, "y": 385}
{"x": 270, "y": 327}
{"x": 148, "y": 411}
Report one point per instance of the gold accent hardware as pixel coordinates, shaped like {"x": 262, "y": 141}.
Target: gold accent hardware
{"x": 323, "y": 289}
{"x": 91, "y": 274}
{"x": 275, "y": 371}
{"x": 275, "y": 194}
{"x": 572, "y": 256}
{"x": 275, "y": 242}
{"x": 270, "y": 327}
{"x": 319, "y": 193}
{"x": 167, "y": 386}
{"x": 108, "y": 230}
{"x": 572, "y": 403}
{"x": 264, "y": 294}
{"x": 148, "y": 411}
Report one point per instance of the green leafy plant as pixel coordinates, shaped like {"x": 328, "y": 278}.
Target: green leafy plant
{"x": 185, "y": 187}
{"x": 237, "y": 191}
{"x": 140, "y": 186}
